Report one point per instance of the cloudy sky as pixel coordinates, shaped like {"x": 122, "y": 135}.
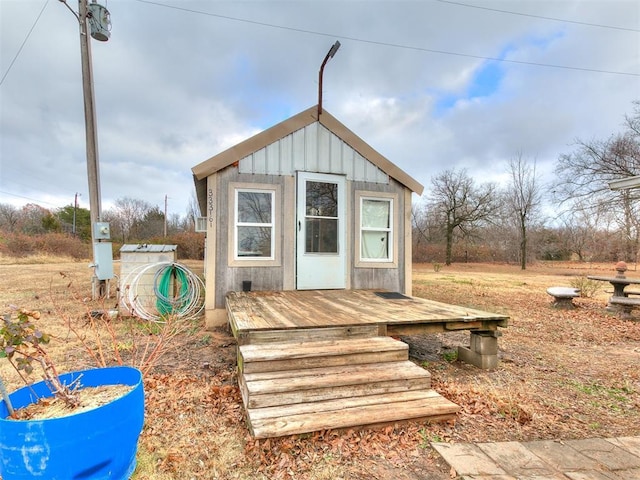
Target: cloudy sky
{"x": 430, "y": 84}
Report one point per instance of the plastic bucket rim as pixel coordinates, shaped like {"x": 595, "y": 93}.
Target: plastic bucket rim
{"x": 4, "y": 411}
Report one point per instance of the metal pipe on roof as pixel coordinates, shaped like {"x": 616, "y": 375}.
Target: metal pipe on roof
{"x": 332, "y": 51}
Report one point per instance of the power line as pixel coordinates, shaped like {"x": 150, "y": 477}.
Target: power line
{"x": 386, "y": 44}
{"x": 28, "y": 198}
{"x": 23, "y": 43}
{"x": 599, "y": 25}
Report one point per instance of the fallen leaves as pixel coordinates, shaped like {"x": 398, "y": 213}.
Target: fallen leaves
{"x": 563, "y": 374}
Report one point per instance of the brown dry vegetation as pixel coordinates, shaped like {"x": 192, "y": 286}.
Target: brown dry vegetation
{"x": 563, "y": 374}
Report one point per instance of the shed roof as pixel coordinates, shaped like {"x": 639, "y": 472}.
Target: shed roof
{"x": 148, "y": 248}
{"x": 292, "y": 124}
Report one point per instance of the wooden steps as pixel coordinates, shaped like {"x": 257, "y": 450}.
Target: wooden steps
{"x": 295, "y": 387}
{"x": 272, "y": 357}
{"x": 351, "y": 412}
{"x": 318, "y": 384}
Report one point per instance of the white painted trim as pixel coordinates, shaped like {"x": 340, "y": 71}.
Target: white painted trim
{"x": 276, "y": 236}
{"x": 394, "y": 235}
{"x": 321, "y": 270}
{"x": 211, "y": 251}
{"x": 625, "y": 183}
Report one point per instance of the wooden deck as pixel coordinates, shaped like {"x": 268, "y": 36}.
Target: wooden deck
{"x": 254, "y": 313}
{"x": 313, "y": 360}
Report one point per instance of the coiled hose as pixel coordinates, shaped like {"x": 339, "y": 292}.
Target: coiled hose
{"x": 176, "y": 291}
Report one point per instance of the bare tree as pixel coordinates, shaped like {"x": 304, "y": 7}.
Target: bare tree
{"x": 523, "y": 199}
{"x": 426, "y": 231}
{"x": 193, "y": 211}
{"x": 583, "y": 178}
{"x": 460, "y": 204}
{"x": 32, "y": 218}
{"x": 9, "y": 217}
{"x": 587, "y": 233}
{"x": 126, "y": 217}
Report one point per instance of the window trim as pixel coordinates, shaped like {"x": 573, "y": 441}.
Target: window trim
{"x": 392, "y": 260}
{"x": 233, "y": 259}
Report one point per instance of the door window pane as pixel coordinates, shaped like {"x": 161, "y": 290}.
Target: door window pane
{"x": 321, "y": 220}
{"x": 321, "y": 235}
{"x": 322, "y": 199}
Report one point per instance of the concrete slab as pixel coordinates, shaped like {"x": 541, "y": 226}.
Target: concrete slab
{"x": 608, "y": 454}
{"x": 515, "y": 459}
{"x": 467, "y": 459}
{"x": 561, "y": 456}
{"x": 590, "y": 475}
{"x": 633, "y": 474}
{"x": 630, "y": 444}
{"x": 488, "y": 477}
{"x": 590, "y": 459}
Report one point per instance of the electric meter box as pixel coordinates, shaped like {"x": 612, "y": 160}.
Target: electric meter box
{"x": 101, "y": 231}
{"x": 103, "y": 258}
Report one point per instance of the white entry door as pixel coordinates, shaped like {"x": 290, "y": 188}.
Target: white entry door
{"x": 321, "y": 233}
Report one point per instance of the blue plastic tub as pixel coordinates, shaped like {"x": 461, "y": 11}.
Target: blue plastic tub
{"x": 96, "y": 444}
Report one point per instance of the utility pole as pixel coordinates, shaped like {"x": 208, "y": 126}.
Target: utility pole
{"x": 93, "y": 170}
{"x": 94, "y": 20}
{"x": 75, "y": 208}
{"x": 165, "y": 214}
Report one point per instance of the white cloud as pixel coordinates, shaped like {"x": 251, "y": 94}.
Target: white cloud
{"x": 174, "y": 87}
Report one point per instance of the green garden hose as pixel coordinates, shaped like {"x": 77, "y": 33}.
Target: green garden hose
{"x": 171, "y": 286}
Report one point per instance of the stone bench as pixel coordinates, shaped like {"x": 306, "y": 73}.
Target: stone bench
{"x": 626, "y": 304}
{"x": 563, "y": 296}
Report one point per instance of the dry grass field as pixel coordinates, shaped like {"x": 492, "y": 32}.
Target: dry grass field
{"x": 563, "y": 374}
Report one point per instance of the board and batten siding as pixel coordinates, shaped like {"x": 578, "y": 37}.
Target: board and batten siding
{"x": 229, "y": 278}
{"x": 312, "y": 149}
{"x": 282, "y": 277}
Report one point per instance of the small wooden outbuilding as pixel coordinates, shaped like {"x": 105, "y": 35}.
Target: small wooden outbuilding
{"x": 304, "y": 205}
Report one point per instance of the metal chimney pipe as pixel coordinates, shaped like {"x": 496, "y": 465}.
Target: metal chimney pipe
{"x": 332, "y": 51}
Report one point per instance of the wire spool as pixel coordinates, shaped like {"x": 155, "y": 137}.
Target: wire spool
{"x": 177, "y": 291}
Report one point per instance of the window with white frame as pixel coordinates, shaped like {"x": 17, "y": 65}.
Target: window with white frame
{"x": 254, "y": 224}
{"x": 376, "y": 229}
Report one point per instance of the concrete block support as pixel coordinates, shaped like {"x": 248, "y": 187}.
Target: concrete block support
{"x": 483, "y": 352}
{"x": 215, "y": 318}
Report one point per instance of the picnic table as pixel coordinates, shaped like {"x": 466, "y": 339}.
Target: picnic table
{"x": 619, "y": 281}
{"x": 620, "y": 300}
{"x": 619, "y": 284}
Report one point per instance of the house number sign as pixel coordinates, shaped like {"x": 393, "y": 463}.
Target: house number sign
{"x": 210, "y": 205}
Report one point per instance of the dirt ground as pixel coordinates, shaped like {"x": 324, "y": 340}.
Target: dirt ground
{"x": 562, "y": 374}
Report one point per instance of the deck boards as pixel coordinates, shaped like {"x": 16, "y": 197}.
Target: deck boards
{"x": 300, "y": 309}
{"x": 316, "y": 359}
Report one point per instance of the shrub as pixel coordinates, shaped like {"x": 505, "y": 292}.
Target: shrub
{"x": 190, "y": 245}
{"x": 56, "y": 244}
{"x": 18, "y": 245}
{"x": 587, "y": 287}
